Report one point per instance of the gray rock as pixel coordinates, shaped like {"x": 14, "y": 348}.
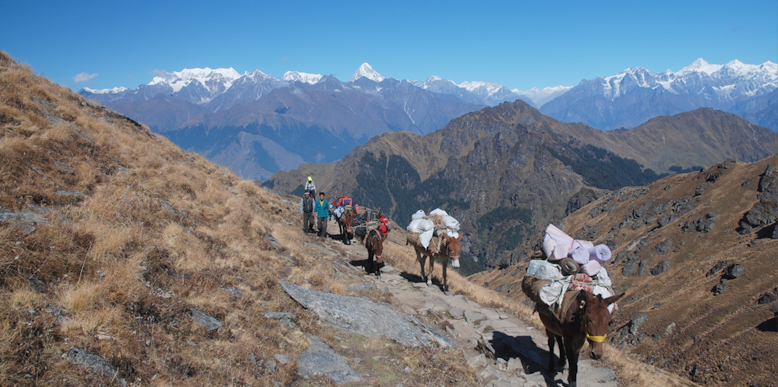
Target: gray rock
{"x": 636, "y": 321}
{"x": 320, "y": 359}
{"x": 766, "y": 298}
{"x": 476, "y": 361}
{"x": 718, "y": 289}
{"x": 457, "y": 313}
{"x": 490, "y": 373}
{"x": 660, "y": 268}
{"x": 663, "y": 246}
{"x": 26, "y": 220}
{"x": 364, "y": 317}
{"x": 360, "y": 287}
{"x": 233, "y": 291}
{"x": 68, "y": 193}
{"x": 284, "y": 317}
{"x": 735, "y": 271}
{"x": 97, "y": 364}
{"x": 717, "y": 268}
{"x": 643, "y": 267}
{"x": 283, "y": 359}
{"x": 472, "y": 316}
{"x": 387, "y": 269}
{"x": 270, "y": 366}
{"x": 210, "y": 323}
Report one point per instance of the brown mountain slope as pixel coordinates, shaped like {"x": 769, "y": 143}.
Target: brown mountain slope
{"x": 148, "y": 265}
{"x": 671, "y": 256}
{"x": 508, "y": 158}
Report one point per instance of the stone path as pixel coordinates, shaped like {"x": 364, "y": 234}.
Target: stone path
{"x": 502, "y": 349}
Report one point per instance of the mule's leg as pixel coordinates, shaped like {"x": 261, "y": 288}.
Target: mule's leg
{"x": 432, "y": 270}
{"x": 422, "y": 258}
{"x": 572, "y": 359}
{"x": 369, "y": 265}
{"x": 562, "y": 356}
{"x": 445, "y": 278}
{"x": 551, "y": 342}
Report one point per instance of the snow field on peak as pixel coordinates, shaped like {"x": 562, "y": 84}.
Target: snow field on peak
{"x": 179, "y": 79}
{"x": 366, "y": 71}
{"x": 297, "y": 76}
{"x": 107, "y": 91}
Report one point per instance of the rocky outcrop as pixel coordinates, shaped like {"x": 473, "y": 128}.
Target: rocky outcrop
{"x": 364, "y": 317}
{"x": 320, "y": 359}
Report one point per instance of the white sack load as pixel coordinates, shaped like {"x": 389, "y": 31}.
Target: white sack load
{"x": 580, "y": 255}
{"x": 604, "y": 292}
{"x": 600, "y": 252}
{"x": 553, "y": 249}
{"x": 418, "y": 215}
{"x": 426, "y": 236}
{"x": 555, "y": 231}
{"x": 603, "y": 277}
{"x": 586, "y": 244}
{"x": 550, "y": 294}
{"x": 591, "y": 268}
{"x": 339, "y": 211}
{"x": 451, "y": 223}
{"x": 438, "y": 211}
{"x": 544, "y": 269}
{"x": 421, "y": 225}
{"x": 451, "y": 233}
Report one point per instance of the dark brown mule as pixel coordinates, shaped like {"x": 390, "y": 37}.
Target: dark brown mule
{"x": 448, "y": 251}
{"x": 344, "y": 224}
{"x": 375, "y": 248}
{"x": 586, "y": 319}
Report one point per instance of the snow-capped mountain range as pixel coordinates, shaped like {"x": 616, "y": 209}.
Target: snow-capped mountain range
{"x": 206, "y": 109}
{"x": 635, "y": 95}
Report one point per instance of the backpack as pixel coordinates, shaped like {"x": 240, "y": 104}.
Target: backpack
{"x": 345, "y": 201}
{"x": 383, "y": 229}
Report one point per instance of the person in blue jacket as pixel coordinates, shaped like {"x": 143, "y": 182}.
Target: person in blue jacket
{"x": 322, "y": 210}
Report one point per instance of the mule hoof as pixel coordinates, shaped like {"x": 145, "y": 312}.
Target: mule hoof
{"x": 446, "y": 292}
{"x": 429, "y": 282}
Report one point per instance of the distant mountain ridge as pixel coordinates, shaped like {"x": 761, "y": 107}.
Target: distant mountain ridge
{"x": 270, "y": 123}
{"x": 505, "y": 170}
{"x": 636, "y": 95}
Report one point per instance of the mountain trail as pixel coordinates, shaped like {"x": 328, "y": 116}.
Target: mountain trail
{"x": 502, "y": 349}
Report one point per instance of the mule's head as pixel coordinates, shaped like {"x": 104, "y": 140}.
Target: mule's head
{"x": 596, "y": 319}
{"x": 376, "y": 242}
{"x": 348, "y": 220}
{"x": 453, "y": 249}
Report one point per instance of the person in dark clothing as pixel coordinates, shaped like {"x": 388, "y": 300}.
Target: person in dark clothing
{"x": 322, "y": 210}
{"x": 306, "y": 211}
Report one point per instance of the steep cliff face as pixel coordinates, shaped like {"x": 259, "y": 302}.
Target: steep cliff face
{"x": 695, "y": 253}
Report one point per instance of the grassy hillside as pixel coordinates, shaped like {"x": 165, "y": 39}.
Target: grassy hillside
{"x": 112, "y": 239}
{"x": 696, "y": 256}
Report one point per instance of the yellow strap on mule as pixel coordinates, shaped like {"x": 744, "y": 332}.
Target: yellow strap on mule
{"x": 596, "y": 339}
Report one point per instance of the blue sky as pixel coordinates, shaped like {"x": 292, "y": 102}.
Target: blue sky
{"x": 519, "y": 44}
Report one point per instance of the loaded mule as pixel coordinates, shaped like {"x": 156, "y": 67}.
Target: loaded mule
{"x": 442, "y": 248}
{"x": 582, "y": 317}
{"x": 374, "y": 242}
{"x": 345, "y": 222}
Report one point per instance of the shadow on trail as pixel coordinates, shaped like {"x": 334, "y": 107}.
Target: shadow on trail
{"x": 533, "y": 358}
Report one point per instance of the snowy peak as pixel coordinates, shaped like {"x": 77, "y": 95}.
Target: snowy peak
{"x": 541, "y": 96}
{"x": 115, "y": 90}
{"x": 215, "y": 80}
{"x": 296, "y": 76}
{"x": 366, "y": 71}
{"x": 701, "y": 66}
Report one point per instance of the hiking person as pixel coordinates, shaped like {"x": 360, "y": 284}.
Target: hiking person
{"x": 310, "y": 187}
{"x": 306, "y": 211}
{"x": 322, "y": 210}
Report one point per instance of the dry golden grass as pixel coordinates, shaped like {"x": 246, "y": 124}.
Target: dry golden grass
{"x": 118, "y": 270}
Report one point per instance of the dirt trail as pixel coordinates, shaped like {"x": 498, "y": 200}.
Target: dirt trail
{"x": 502, "y": 349}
